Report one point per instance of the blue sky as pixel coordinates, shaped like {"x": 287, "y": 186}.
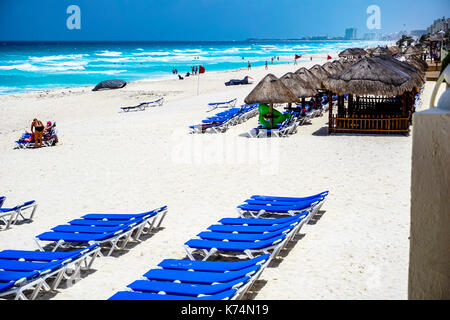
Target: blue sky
{"x": 140, "y": 20}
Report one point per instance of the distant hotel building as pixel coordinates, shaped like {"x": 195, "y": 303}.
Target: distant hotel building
{"x": 439, "y": 25}
{"x": 350, "y": 34}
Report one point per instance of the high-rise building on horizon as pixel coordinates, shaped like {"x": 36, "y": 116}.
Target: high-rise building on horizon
{"x": 439, "y": 25}
{"x": 350, "y": 34}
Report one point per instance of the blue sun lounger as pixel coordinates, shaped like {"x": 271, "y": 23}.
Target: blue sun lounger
{"x": 210, "y": 247}
{"x": 196, "y": 280}
{"x": 257, "y": 206}
{"x": 271, "y": 198}
{"x": 144, "y": 105}
{"x": 103, "y": 229}
{"x": 23, "y": 271}
{"x": 10, "y": 216}
{"x": 127, "y": 295}
{"x": 246, "y": 236}
{"x": 226, "y": 104}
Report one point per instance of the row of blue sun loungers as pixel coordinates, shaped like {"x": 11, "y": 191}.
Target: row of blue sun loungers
{"x": 220, "y": 122}
{"x": 30, "y": 272}
{"x": 113, "y": 229}
{"x": 260, "y": 239}
{"x": 10, "y": 216}
{"x": 25, "y": 271}
{"x": 144, "y": 105}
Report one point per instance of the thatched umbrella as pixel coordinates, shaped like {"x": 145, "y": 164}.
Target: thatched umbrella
{"x": 394, "y": 50}
{"x": 308, "y": 77}
{"x": 353, "y": 53}
{"x": 412, "y": 51}
{"x": 381, "y": 51}
{"x": 320, "y": 73}
{"x": 417, "y": 63}
{"x": 331, "y": 68}
{"x": 404, "y": 67}
{"x": 371, "y": 76}
{"x": 271, "y": 90}
{"x": 338, "y": 65}
{"x": 346, "y": 63}
{"x": 298, "y": 86}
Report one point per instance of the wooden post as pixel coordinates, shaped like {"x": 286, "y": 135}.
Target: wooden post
{"x": 330, "y": 112}
{"x": 271, "y": 115}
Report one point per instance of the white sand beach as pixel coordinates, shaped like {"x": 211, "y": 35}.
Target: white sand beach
{"x": 113, "y": 162}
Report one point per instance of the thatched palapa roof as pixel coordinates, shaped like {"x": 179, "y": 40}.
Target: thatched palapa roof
{"x": 331, "y": 68}
{"x": 319, "y": 72}
{"x": 412, "y": 51}
{"x": 338, "y": 65}
{"x": 353, "y": 52}
{"x": 347, "y": 63}
{"x": 271, "y": 90}
{"x": 405, "y": 67}
{"x": 417, "y": 63}
{"x": 371, "y": 76}
{"x": 298, "y": 86}
{"x": 308, "y": 77}
{"x": 381, "y": 51}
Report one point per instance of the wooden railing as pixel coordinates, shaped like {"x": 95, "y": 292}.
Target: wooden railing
{"x": 370, "y": 124}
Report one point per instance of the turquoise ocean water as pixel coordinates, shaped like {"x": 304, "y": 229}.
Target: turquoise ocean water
{"x": 36, "y": 66}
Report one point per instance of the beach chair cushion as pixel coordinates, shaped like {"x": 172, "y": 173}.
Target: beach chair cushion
{"x": 212, "y": 266}
{"x": 129, "y": 295}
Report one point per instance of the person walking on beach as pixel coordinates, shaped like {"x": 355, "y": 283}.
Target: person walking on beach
{"x": 249, "y": 66}
{"x": 37, "y": 129}
{"x": 267, "y": 65}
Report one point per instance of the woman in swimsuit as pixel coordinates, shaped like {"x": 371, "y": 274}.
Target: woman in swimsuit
{"x": 37, "y": 129}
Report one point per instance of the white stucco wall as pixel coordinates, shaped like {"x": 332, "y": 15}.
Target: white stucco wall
{"x": 429, "y": 274}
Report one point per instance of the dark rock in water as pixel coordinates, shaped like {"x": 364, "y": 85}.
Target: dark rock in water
{"x": 110, "y": 84}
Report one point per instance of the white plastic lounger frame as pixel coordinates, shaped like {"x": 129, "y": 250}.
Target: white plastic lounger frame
{"x": 258, "y": 214}
{"x": 14, "y": 215}
{"x": 275, "y": 248}
{"x": 69, "y": 271}
{"x": 151, "y": 223}
{"x": 144, "y": 105}
{"x": 227, "y": 104}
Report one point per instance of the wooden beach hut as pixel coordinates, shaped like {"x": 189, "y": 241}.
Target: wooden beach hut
{"x": 375, "y": 95}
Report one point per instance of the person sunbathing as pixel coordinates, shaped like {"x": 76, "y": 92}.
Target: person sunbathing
{"x": 48, "y": 127}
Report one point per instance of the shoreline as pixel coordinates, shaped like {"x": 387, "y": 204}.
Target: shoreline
{"x": 283, "y": 59}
